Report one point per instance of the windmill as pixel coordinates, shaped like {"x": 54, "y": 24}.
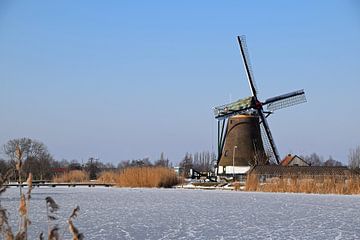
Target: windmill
{"x": 243, "y": 126}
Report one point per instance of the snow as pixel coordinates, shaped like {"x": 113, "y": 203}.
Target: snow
{"x": 115, "y": 213}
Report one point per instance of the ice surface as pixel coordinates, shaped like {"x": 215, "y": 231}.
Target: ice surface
{"x": 115, "y": 213}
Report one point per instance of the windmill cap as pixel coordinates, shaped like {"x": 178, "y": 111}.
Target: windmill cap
{"x": 243, "y": 116}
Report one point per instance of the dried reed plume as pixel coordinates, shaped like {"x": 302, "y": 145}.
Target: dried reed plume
{"x": 5, "y": 228}
{"x": 141, "y": 177}
{"x": 54, "y": 233}
{"x": 73, "y": 230}
{"x": 51, "y": 205}
{"x": 53, "y": 230}
{"x": 24, "y": 222}
{"x": 74, "y": 212}
{"x": 51, "y": 209}
{"x": 23, "y": 208}
{"x": 18, "y": 158}
{"x": 29, "y": 185}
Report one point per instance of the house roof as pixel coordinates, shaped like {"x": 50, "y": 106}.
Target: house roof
{"x": 278, "y": 170}
{"x": 286, "y": 161}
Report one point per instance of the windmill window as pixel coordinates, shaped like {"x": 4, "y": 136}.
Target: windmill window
{"x": 262, "y": 178}
{"x": 226, "y": 153}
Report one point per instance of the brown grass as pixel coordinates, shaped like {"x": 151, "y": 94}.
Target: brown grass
{"x": 141, "y": 177}
{"x": 72, "y": 177}
{"x": 306, "y": 184}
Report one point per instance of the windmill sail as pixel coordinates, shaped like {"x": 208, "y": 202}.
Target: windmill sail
{"x": 285, "y": 100}
{"x": 269, "y": 135}
{"x": 247, "y": 65}
{"x": 270, "y": 155}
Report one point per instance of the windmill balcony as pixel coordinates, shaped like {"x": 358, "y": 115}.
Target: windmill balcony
{"x": 229, "y": 170}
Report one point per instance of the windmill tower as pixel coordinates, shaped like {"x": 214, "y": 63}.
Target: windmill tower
{"x": 244, "y": 136}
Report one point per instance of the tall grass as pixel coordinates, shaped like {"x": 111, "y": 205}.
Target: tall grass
{"x": 306, "y": 184}
{"x": 72, "y": 177}
{"x": 141, "y": 177}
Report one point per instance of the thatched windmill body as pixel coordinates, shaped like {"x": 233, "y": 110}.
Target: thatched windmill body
{"x": 244, "y": 136}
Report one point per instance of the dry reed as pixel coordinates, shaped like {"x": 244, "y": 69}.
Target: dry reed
{"x": 108, "y": 177}
{"x": 72, "y": 177}
{"x": 74, "y": 231}
{"x": 306, "y": 184}
{"x": 24, "y": 222}
{"x": 141, "y": 177}
{"x": 5, "y": 228}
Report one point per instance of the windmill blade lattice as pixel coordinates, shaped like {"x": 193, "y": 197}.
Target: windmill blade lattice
{"x": 269, "y": 136}
{"x": 285, "y": 100}
{"x": 267, "y": 146}
{"x": 247, "y": 64}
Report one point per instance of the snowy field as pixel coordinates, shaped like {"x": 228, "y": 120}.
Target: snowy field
{"x": 112, "y": 213}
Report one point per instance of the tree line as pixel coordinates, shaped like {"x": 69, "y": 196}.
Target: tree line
{"x": 38, "y": 160}
{"x": 317, "y": 160}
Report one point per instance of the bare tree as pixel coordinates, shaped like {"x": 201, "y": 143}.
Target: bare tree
{"x": 124, "y": 164}
{"x": 144, "y": 162}
{"x": 162, "y": 161}
{"x": 28, "y": 147}
{"x": 354, "y": 158}
{"x": 4, "y": 167}
{"x": 202, "y": 161}
{"x": 93, "y": 167}
{"x": 332, "y": 162}
{"x": 186, "y": 164}
{"x": 314, "y": 159}
{"x": 35, "y": 156}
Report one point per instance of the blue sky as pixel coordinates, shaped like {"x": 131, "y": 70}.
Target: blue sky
{"x": 130, "y": 79}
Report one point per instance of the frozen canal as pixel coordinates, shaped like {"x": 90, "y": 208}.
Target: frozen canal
{"x": 112, "y": 213}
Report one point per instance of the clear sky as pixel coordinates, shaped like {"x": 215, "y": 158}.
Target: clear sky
{"x": 130, "y": 79}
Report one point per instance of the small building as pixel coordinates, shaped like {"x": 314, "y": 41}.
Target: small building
{"x": 294, "y": 160}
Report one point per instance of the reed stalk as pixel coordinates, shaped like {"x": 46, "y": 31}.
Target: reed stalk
{"x": 141, "y": 177}
{"x": 306, "y": 184}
